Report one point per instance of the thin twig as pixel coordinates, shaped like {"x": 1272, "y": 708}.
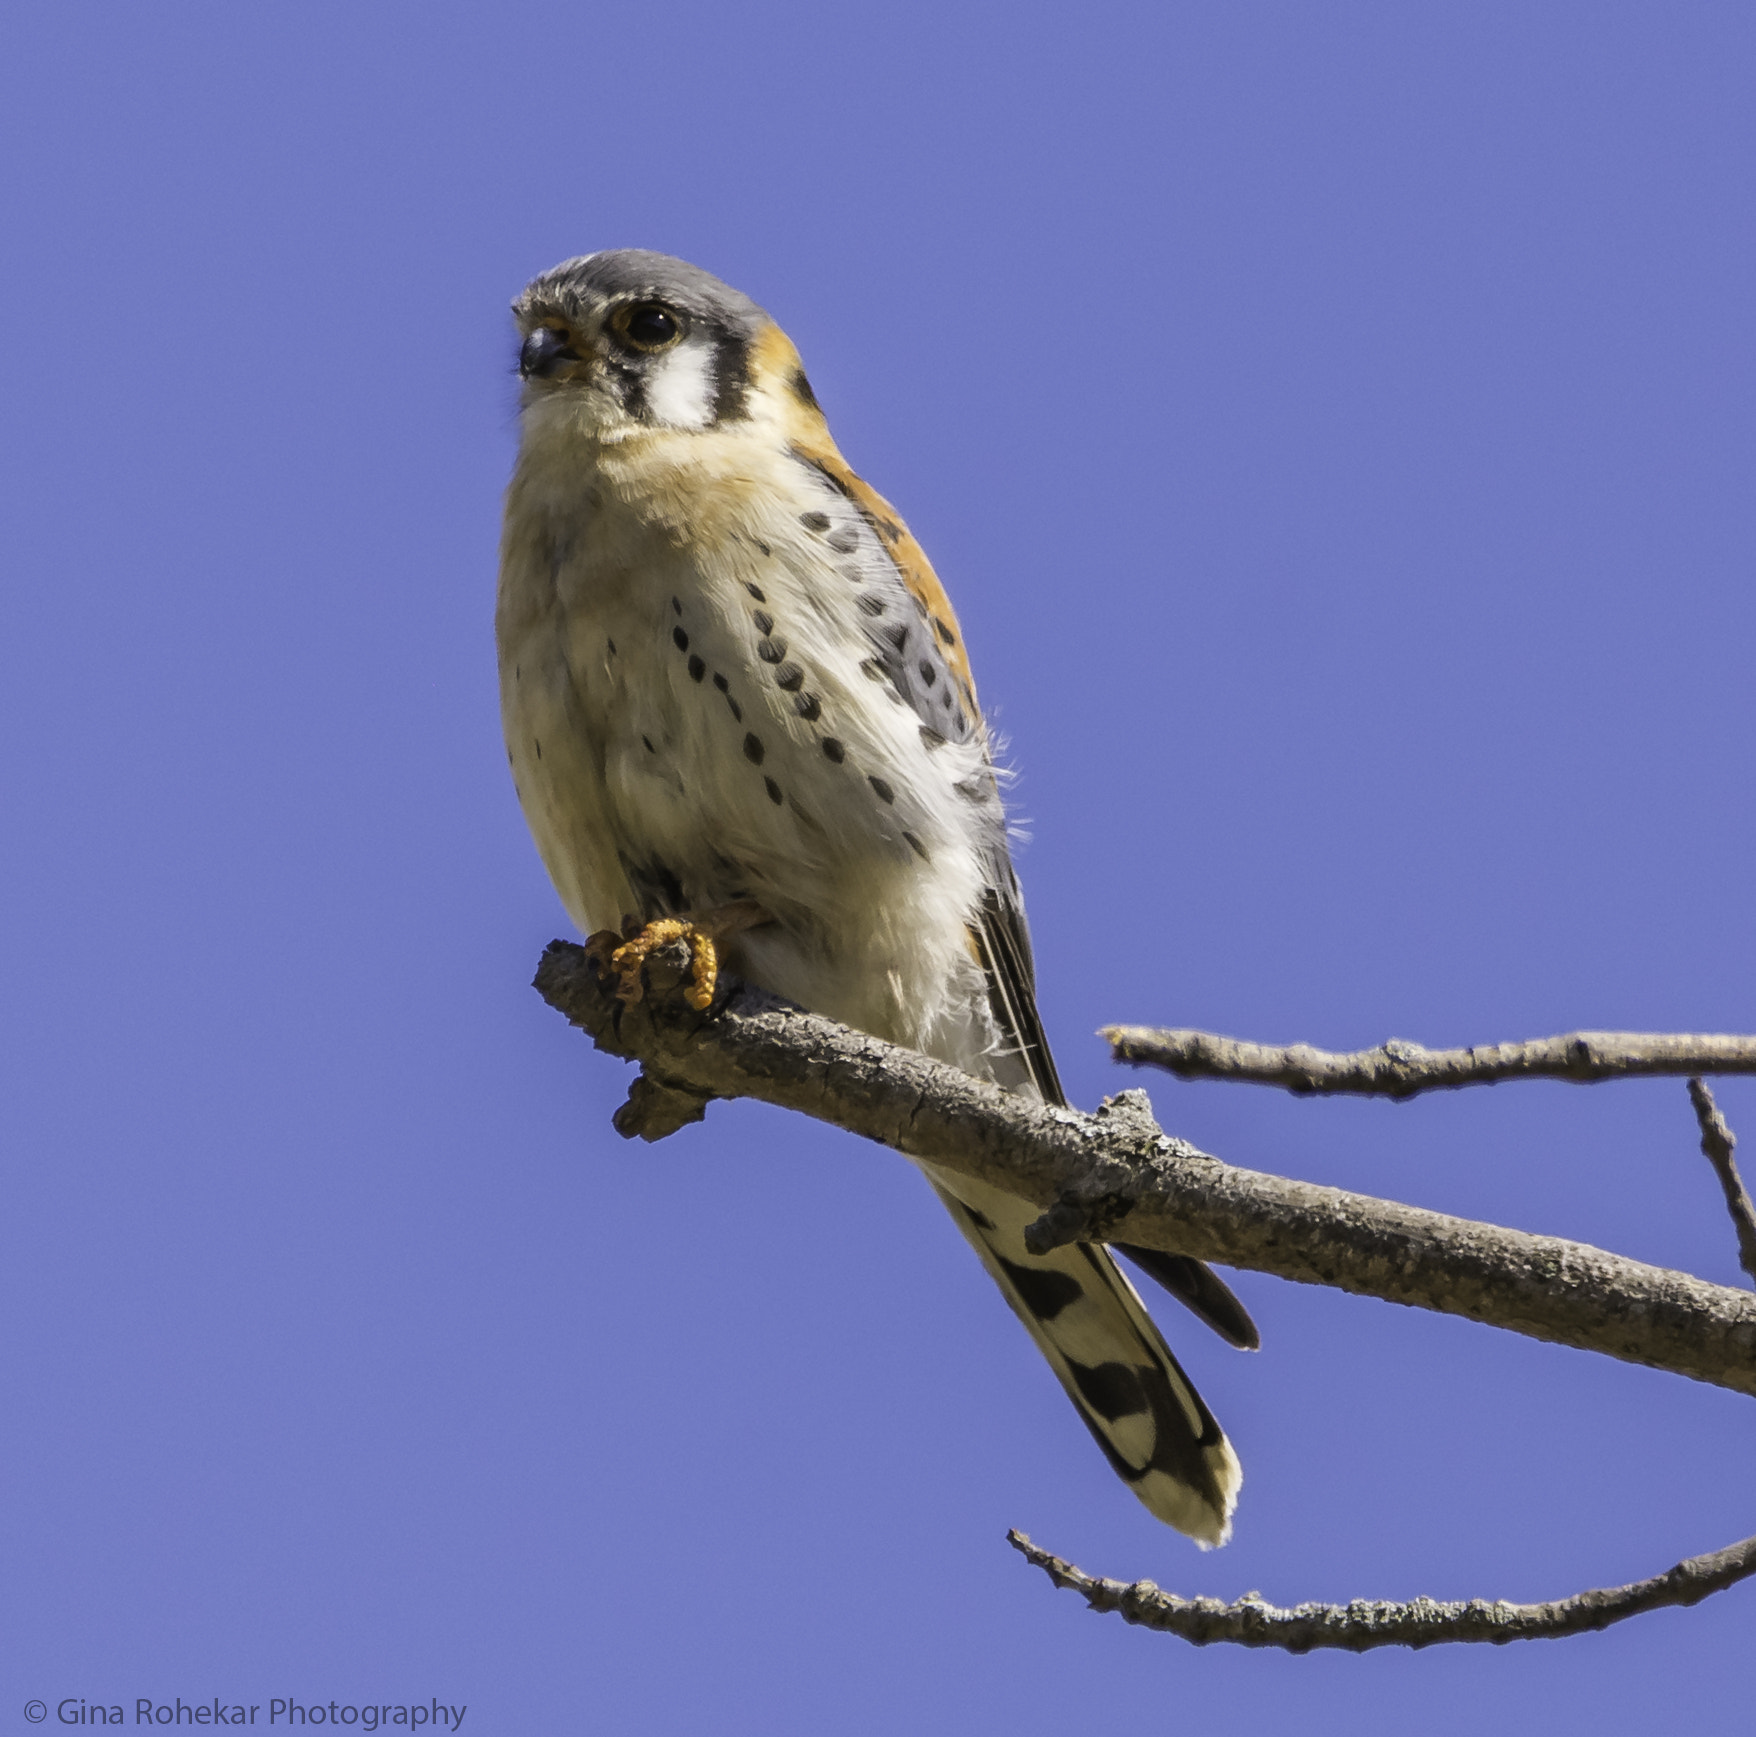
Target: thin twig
{"x": 1717, "y": 1145}
{"x": 1367, "y": 1623}
{"x": 1404, "y": 1070}
{"x": 1115, "y": 1176}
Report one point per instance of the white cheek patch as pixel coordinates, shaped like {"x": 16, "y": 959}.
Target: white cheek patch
{"x": 680, "y": 388}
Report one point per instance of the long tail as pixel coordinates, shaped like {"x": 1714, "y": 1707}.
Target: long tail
{"x": 1002, "y": 943}
{"x": 1090, "y": 1324}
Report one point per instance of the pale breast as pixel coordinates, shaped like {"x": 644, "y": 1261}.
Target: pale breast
{"x": 724, "y": 691}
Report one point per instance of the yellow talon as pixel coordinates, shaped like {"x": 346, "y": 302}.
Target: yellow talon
{"x": 628, "y": 958}
{"x": 704, "y": 973}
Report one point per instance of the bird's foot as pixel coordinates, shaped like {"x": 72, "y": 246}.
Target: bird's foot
{"x": 626, "y": 959}
{"x": 624, "y": 956}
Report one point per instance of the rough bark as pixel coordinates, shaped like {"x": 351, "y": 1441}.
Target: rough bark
{"x": 1718, "y": 1143}
{"x": 1405, "y": 1070}
{"x": 1365, "y": 1624}
{"x": 1115, "y": 1176}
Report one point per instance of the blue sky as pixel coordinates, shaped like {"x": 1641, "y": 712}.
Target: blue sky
{"x": 1334, "y": 423}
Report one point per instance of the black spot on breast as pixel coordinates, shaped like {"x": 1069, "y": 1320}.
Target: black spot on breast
{"x": 802, "y": 390}
{"x": 737, "y": 710}
{"x": 789, "y": 678}
{"x": 814, "y": 521}
{"x": 753, "y": 749}
{"x": 897, "y": 635}
{"x": 697, "y": 669}
{"x": 1045, "y": 1292}
{"x": 845, "y": 541}
{"x": 676, "y": 607}
{"x": 873, "y": 670}
{"x": 980, "y": 1218}
{"x": 538, "y": 746}
{"x": 928, "y": 674}
{"x": 774, "y": 794}
{"x": 944, "y": 632}
{"x": 756, "y": 590}
{"x": 649, "y": 747}
{"x": 763, "y": 547}
{"x": 873, "y": 603}
{"x": 808, "y": 706}
{"x": 681, "y": 638}
{"x": 720, "y": 682}
{"x": 764, "y": 621}
{"x": 890, "y": 529}
{"x": 771, "y": 650}
{"x": 834, "y": 749}
{"x": 930, "y": 738}
{"x": 612, "y": 645}
{"x": 1112, "y": 1390}
{"x": 883, "y": 790}
{"x": 917, "y": 847}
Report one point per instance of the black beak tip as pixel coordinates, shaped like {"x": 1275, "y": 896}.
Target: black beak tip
{"x": 541, "y": 351}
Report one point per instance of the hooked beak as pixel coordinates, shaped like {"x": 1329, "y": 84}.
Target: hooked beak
{"x": 543, "y": 352}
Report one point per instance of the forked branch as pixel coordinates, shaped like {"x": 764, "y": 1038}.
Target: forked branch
{"x": 1115, "y": 1176}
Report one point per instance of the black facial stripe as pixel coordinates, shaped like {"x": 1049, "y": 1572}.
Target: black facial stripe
{"x": 629, "y": 384}
{"x": 731, "y": 377}
{"x": 728, "y": 362}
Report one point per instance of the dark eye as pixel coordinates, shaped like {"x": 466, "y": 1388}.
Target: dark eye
{"x": 649, "y": 326}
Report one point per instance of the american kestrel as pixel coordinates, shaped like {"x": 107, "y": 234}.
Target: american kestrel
{"x": 738, "y": 706}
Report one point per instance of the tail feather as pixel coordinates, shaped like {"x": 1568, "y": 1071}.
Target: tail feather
{"x": 1076, "y": 1303}
{"x": 1002, "y": 944}
{"x": 1090, "y": 1324}
{"x": 1199, "y": 1288}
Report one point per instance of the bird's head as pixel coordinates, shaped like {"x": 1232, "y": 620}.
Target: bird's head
{"x": 629, "y": 340}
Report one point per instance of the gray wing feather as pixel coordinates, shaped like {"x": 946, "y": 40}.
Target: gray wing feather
{"x": 1077, "y": 1305}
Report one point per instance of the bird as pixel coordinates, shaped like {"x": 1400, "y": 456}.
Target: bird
{"x": 739, "y": 709}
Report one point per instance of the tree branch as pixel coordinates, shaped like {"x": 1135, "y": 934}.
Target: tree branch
{"x": 1405, "y": 1070}
{"x": 1367, "y": 1623}
{"x": 1115, "y": 1176}
{"x": 1717, "y": 1144}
